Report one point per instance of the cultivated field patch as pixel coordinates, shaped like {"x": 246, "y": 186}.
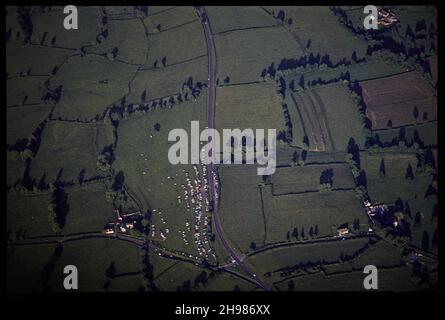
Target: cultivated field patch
{"x": 392, "y": 101}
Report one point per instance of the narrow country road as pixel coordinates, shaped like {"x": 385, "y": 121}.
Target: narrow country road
{"x": 210, "y": 122}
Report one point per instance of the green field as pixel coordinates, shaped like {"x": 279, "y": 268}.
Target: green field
{"x": 320, "y": 114}
{"x": 189, "y": 44}
{"x": 307, "y": 178}
{"x": 275, "y": 259}
{"x": 255, "y": 106}
{"x": 426, "y": 133}
{"x": 325, "y": 211}
{"x": 394, "y": 184}
{"x": 255, "y": 50}
{"x": 397, "y": 279}
{"x": 226, "y": 18}
{"x": 29, "y": 213}
{"x": 131, "y": 50}
{"x": 15, "y": 167}
{"x": 92, "y": 257}
{"x": 146, "y": 170}
{"x": 163, "y": 82}
{"x": 25, "y": 265}
{"x": 22, "y": 121}
{"x": 88, "y": 92}
{"x": 71, "y": 147}
{"x": 89, "y": 210}
{"x": 168, "y": 19}
{"x": 321, "y": 27}
{"x": 240, "y": 206}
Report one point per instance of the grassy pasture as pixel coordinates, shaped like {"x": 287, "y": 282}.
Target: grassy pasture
{"x": 255, "y": 106}
{"x": 15, "y": 167}
{"x": 240, "y": 205}
{"x": 307, "y": 178}
{"x": 397, "y": 279}
{"x": 177, "y": 275}
{"x": 27, "y": 90}
{"x": 426, "y": 132}
{"x": 144, "y": 161}
{"x": 320, "y": 26}
{"x": 162, "y": 82}
{"x": 243, "y": 54}
{"x": 40, "y": 59}
{"x": 189, "y": 43}
{"x": 132, "y": 49}
{"x": 381, "y": 254}
{"x": 303, "y": 211}
{"x": 22, "y": 121}
{"x": 172, "y": 18}
{"x": 394, "y": 184}
{"x": 24, "y": 265}
{"x": 226, "y": 18}
{"x": 52, "y": 24}
{"x": 90, "y": 84}
{"x": 92, "y": 257}
{"x": 29, "y": 213}
{"x": 277, "y": 258}
{"x": 89, "y": 210}
{"x": 72, "y": 147}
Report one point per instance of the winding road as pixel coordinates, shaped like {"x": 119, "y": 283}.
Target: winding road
{"x": 210, "y": 123}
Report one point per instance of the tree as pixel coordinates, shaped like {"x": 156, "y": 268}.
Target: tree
{"x": 60, "y": 207}
{"x": 409, "y": 172}
{"x": 295, "y": 156}
{"x": 81, "y": 176}
{"x": 301, "y": 83}
{"x": 435, "y": 240}
{"x": 164, "y": 61}
{"x": 415, "y": 112}
{"x": 157, "y": 127}
{"x": 417, "y": 219}
{"x": 253, "y": 245}
{"x": 118, "y": 181}
{"x": 281, "y": 15}
{"x": 311, "y": 232}
{"x": 382, "y": 170}
{"x": 158, "y": 26}
{"x": 295, "y": 233}
{"x": 226, "y": 80}
{"x": 290, "y": 285}
{"x": 425, "y": 241}
{"x": 111, "y": 271}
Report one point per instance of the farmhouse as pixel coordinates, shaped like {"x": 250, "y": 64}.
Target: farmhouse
{"x": 387, "y": 17}
{"x": 342, "y": 231}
